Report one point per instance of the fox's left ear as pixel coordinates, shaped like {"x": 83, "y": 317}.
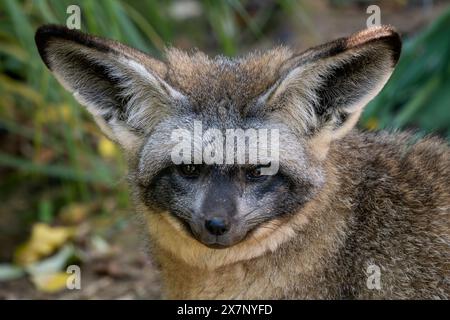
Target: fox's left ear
{"x": 123, "y": 88}
{"x": 323, "y": 90}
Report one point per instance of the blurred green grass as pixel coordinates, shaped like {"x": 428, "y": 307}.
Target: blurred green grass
{"x": 52, "y": 154}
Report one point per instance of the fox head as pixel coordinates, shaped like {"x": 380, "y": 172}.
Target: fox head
{"x": 310, "y": 98}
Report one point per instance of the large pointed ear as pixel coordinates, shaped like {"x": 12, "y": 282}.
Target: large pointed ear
{"x": 122, "y": 87}
{"x": 323, "y": 90}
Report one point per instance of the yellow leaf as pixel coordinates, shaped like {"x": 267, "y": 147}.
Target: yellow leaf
{"x": 50, "y": 283}
{"x": 372, "y": 124}
{"x": 107, "y": 148}
{"x": 66, "y": 112}
{"x": 75, "y": 213}
{"x": 25, "y": 255}
{"x": 43, "y": 241}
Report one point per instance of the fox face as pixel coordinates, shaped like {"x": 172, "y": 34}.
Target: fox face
{"x": 217, "y": 192}
{"x": 221, "y": 204}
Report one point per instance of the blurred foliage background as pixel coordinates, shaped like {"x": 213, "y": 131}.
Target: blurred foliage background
{"x": 56, "y": 167}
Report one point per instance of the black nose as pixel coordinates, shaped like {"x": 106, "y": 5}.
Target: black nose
{"x": 217, "y": 226}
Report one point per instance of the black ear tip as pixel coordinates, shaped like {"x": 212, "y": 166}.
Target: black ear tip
{"x": 50, "y": 32}
{"x": 395, "y": 42}
{"x": 385, "y": 34}
{"x": 391, "y": 37}
{"x": 44, "y": 34}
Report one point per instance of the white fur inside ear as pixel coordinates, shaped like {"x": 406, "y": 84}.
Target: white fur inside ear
{"x": 153, "y": 79}
{"x": 122, "y": 92}
{"x": 129, "y": 140}
{"x": 115, "y": 131}
{"x": 324, "y": 98}
{"x": 300, "y": 92}
{"x": 357, "y": 108}
{"x": 320, "y": 143}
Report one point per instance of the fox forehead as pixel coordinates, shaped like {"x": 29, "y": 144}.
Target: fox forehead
{"x": 156, "y": 153}
{"x": 208, "y": 82}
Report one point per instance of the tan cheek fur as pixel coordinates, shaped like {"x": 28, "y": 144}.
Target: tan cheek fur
{"x": 168, "y": 233}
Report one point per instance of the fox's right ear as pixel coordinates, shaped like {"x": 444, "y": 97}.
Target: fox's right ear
{"x": 122, "y": 87}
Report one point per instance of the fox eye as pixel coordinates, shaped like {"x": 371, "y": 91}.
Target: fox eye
{"x": 255, "y": 173}
{"x": 189, "y": 170}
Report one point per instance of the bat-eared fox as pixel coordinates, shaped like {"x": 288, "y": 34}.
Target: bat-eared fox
{"x": 345, "y": 214}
